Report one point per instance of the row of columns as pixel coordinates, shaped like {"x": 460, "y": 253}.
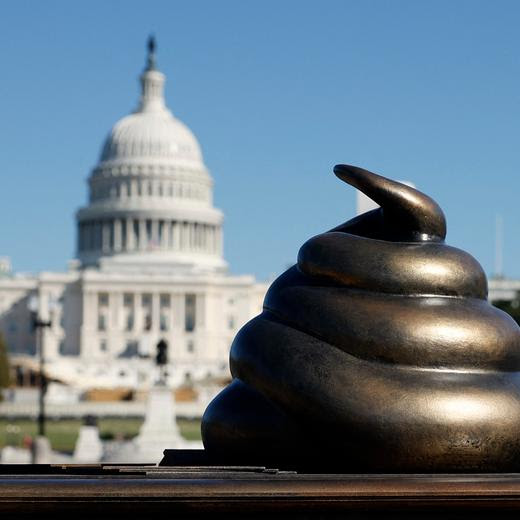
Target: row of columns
{"x": 130, "y": 234}
{"x": 115, "y": 310}
{"x": 135, "y": 188}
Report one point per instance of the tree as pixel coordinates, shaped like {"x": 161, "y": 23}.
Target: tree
{"x": 4, "y": 364}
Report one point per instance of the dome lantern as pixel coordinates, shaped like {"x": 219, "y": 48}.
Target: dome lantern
{"x": 152, "y": 83}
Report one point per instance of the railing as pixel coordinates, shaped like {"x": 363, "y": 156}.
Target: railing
{"x": 99, "y": 409}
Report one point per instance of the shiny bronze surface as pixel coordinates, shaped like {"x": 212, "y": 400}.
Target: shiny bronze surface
{"x": 377, "y": 351}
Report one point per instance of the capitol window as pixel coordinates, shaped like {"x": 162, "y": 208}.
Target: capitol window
{"x": 123, "y": 237}
{"x": 161, "y": 231}
{"x": 189, "y": 313}
{"x": 102, "y": 322}
{"x": 163, "y": 322}
{"x": 164, "y": 304}
{"x": 146, "y": 303}
{"x": 128, "y": 310}
{"x": 135, "y": 226}
{"x": 102, "y": 311}
{"x": 148, "y": 233}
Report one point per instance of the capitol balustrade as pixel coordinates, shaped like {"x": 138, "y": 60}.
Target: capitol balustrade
{"x": 64, "y": 401}
{"x": 191, "y": 409}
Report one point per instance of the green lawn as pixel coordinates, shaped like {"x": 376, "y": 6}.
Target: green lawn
{"x": 63, "y": 433}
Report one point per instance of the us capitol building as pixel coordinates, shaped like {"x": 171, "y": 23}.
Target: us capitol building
{"x": 149, "y": 266}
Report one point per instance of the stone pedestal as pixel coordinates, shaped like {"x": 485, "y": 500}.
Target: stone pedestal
{"x": 89, "y": 448}
{"x": 159, "y": 430}
{"x": 42, "y": 451}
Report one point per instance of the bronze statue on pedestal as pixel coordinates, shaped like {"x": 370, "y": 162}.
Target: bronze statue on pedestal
{"x": 377, "y": 351}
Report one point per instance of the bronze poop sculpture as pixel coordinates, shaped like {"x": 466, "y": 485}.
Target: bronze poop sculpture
{"x": 377, "y": 351}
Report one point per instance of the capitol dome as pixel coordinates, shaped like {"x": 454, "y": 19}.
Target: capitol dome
{"x": 152, "y": 135}
{"x": 151, "y": 195}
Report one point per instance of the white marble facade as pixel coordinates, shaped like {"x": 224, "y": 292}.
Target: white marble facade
{"x": 149, "y": 265}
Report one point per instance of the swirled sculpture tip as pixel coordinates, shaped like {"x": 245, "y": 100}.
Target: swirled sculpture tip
{"x": 407, "y": 213}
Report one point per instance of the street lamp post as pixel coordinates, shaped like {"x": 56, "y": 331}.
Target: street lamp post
{"x": 38, "y": 325}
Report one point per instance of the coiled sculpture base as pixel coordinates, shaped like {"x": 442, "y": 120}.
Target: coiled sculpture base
{"x": 377, "y": 351}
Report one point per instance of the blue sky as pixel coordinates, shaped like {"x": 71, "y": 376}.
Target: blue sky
{"x": 277, "y": 92}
